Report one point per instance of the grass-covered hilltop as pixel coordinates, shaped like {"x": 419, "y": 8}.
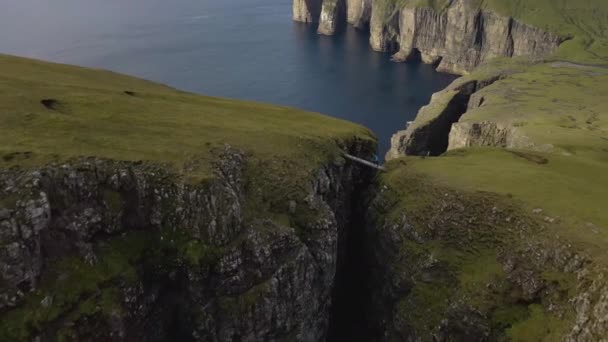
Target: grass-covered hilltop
{"x": 53, "y": 113}
{"x": 491, "y": 223}
{"x": 581, "y": 24}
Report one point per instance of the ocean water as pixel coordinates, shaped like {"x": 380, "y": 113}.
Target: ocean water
{"x": 246, "y": 49}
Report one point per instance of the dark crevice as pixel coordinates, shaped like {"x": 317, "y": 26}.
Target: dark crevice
{"x": 314, "y": 7}
{"x": 479, "y": 29}
{"x": 415, "y": 56}
{"x": 439, "y": 141}
{"x": 351, "y": 295}
{"x": 433, "y": 138}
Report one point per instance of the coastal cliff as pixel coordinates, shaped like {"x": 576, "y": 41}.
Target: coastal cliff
{"x": 332, "y": 11}
{"x": 497, "y": 106}
{"x": 457, "y": 38}
{"x": 462, "y": 36}
{"x": 307, "y": 11}
{"x": 229, "y": 220}
{"x": 432, "y": 131}
{"x": 358, "y": 12}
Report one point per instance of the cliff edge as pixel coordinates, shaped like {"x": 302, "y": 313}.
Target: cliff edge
{"x": 456, "y": 36}
{"x": 130, "y": 211}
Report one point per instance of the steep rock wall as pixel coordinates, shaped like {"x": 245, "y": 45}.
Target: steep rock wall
{"x": 486, "y": 133}
{"x": 307, "y": 11}
{"x": 358, "y": 12}
{"x": 332, "y": 12}
{"x": 456, "y": 39}
{"x": 384, "y": 26}
{"x": 463, "y": 36}
{"x": 102, "y": 250}
{"x": 431, "y": 132}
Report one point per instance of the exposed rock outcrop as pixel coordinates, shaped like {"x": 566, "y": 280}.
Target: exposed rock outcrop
{"x": 103, "y": 250}
{"x": 456, "y": 38}
{"x": 332, "y": 12}
{"x": 358, "y": 12}
{"x": 463, "y": 36}
{"x": 430, "y": 133}
{"x": 307, "y": 11}
{"x": 384, "y": 26}
{"x": 487, "y": 133}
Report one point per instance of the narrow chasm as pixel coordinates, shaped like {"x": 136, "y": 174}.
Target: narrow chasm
{"x": 351, "y": 295}
{"x": 439, "y": 134}
{"x": 436, "y": 136}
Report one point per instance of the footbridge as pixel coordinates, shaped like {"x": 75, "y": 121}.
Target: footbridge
{"x": 364, "y": 162}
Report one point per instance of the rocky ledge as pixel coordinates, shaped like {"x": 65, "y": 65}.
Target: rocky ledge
{"x": 437, "y": 129}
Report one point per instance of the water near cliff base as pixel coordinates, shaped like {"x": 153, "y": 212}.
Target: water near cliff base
{"x": 247, "y": 49}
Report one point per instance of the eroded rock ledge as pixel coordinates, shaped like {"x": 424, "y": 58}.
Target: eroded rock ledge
{"x": 433, "y": 133}
{"x": 456, "y": 39}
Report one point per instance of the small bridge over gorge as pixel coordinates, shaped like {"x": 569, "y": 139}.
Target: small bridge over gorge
{"x": 364, "y": 162}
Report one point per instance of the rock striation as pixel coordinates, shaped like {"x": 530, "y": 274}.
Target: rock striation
{"x": 104, "y": 250}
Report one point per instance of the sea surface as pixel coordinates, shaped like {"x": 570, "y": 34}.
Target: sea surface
{"x": 245, "y": 49}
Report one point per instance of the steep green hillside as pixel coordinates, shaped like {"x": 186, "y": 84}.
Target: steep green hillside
{"x": 106, "y": 115}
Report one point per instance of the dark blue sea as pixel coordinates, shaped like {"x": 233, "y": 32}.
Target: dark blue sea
{"x": 246, "y": 49}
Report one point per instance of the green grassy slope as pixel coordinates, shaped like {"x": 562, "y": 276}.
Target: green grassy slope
{"x": 52, "y": 113}
{"x": 558, "y": 106}
{"x": 94, "y": 116}
{"x": 570, "y": 188}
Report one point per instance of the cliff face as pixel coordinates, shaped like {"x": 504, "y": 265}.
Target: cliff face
{"x": 462, "y": 37}
{"x": 101, "y": 250}
{"x": 358, "y": 12}
{"x": 383, "y": 27}
{"x": 432, "y": 132}
{"x": 455, "y": 266}
{"x": 307, "y": 11}
{"x": 486, "y": 133}
{"x": 457, "y": 39}
{"x": 332, "y": 11}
